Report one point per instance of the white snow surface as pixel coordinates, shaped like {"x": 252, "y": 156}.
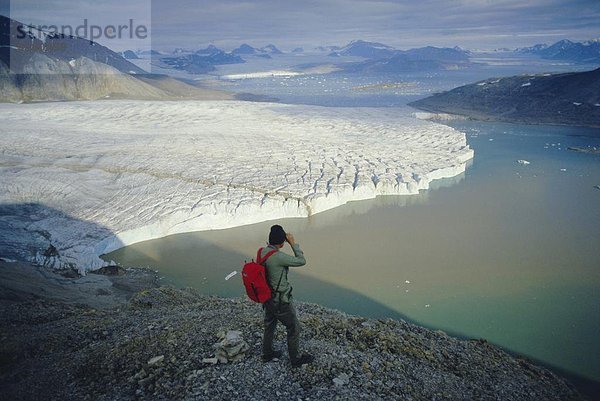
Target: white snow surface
{"x": 97, "y": 176}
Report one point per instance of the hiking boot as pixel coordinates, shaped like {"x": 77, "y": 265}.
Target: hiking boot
{"x": 303, "y": 360}
{"x": 270, "y": 357}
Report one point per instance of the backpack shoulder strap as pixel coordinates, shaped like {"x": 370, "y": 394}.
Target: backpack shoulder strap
{"x": 260, "y": 260}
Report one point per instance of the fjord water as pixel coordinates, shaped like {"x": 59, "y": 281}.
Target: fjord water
{"x": 507, "y": 251}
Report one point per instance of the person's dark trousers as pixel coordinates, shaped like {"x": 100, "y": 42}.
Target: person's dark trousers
{"x": 286, "y": 314}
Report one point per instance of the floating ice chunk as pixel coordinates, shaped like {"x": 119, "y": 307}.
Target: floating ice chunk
{"x": 577, "y": 103}
{"x": 597, "y": 104}
{"x": 491, "y": 139}
{"x": 7, "y": 260}
{"x": 523, "y": 162}
{"x": 407, "y": 282}
{"x": 427, "y": 306}
{"x": 527, "y": 84}
{"x": 563, "y": 169}
{"x": 230, "y": 275}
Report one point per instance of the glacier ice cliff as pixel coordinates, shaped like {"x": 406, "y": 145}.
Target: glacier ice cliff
{"x": 112, "y": 173}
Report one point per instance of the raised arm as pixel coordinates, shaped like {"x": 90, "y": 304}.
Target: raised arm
{"x": 298, "y": 259}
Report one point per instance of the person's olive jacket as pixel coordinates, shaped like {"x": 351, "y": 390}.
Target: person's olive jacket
{"x": 277, "y": 267}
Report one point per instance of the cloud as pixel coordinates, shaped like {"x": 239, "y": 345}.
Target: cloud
{"x": 468, "y": 23}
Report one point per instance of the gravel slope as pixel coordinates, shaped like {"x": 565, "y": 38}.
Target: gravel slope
{"x": 55, "y": 350}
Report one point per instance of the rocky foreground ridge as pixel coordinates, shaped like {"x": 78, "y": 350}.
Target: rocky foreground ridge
{"x": 159, "y": 345}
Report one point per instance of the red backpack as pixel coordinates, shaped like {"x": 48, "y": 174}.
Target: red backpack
{"x": 254, "y": 277}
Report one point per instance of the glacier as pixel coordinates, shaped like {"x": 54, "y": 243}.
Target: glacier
{"x": 114, "y": 172}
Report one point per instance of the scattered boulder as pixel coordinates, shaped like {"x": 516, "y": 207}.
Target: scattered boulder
{"x": 155, "y": 360}
{"x": 341, "y": 380}
{"x": 231, "y": 347}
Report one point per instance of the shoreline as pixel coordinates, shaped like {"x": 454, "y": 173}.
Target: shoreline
{"x": 504, "y": 168}
{"x": 225, "y": 221}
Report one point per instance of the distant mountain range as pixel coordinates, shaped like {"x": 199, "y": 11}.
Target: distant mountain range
{"x": 580, "y": 52}
{"x": 380, "y": 58}
{"x": 202, "y": 61}
{"x": 386, "y": 59}
{"x": 566, "y": 99}
{"x": 37, "y": 65}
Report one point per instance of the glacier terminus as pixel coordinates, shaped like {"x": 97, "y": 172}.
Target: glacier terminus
{"x": 106, "y": 174}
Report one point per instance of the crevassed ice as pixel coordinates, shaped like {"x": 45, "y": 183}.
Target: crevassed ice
{"x": 111, "y": 173}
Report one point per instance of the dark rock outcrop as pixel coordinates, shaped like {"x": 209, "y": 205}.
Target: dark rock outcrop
{"x": 565, "y": 99}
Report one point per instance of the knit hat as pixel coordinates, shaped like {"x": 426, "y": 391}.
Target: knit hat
{"x": 277, "y": 235}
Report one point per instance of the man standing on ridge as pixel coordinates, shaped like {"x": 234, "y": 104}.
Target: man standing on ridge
{"x": 280, "y": 307}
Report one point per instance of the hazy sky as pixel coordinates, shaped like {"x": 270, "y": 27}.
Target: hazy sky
{"x": 309, "y": 23}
